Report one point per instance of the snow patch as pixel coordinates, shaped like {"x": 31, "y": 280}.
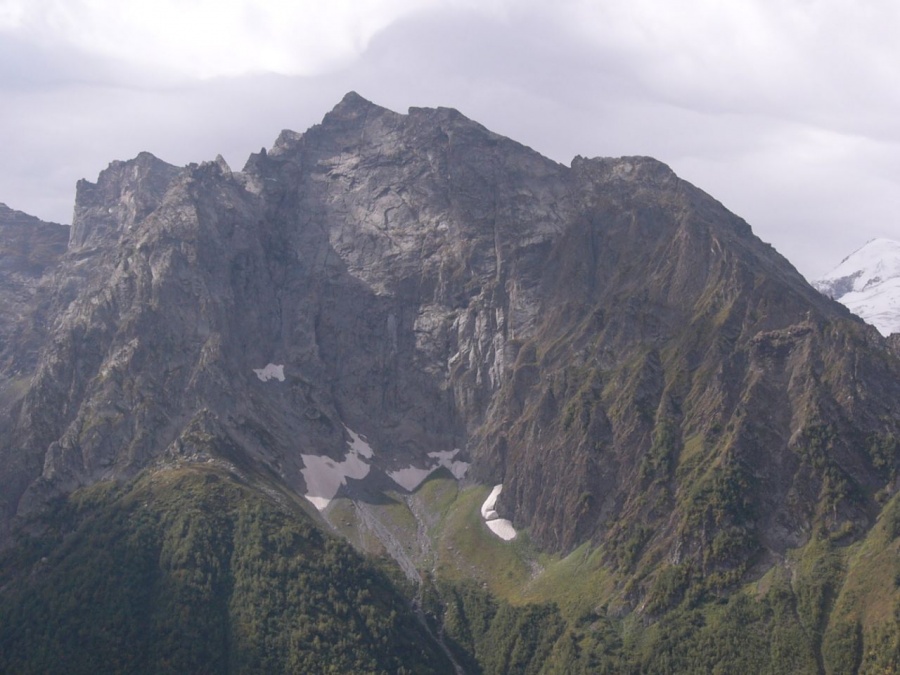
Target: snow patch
{"x": 324, "y": 476}
{"x": 868, "y": 266}
{"x": 878, "y": 305}
{"x": 502, "y": 528}
{"x": 445, "y": 459}
{"x": 490, "y": 502}
{"x": 358, "y": 443}
{"x": 319, "y": 502}
{"x": 412, "y": 477}
{"x": 270, "y": 372}
{"x": 499, "y": 526}
{"x": 867, "y": 282}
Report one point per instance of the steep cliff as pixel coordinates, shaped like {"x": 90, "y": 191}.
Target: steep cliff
{"x": 29, "y": 250}
{"x": 30, "y": 253}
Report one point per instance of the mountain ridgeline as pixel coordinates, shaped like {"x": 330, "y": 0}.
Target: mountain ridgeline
{"x": 387, "y": 315}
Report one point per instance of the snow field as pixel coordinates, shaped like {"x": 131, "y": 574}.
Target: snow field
{"x": 499, "y": 526}
{"x": 324, "y": 477}
{"x": 412, "y": 477}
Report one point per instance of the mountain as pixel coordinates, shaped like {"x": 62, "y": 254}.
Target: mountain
{"x": 868, "y": 282}
{"x": 29, "y": 249}
{"x": 570, "y": 412}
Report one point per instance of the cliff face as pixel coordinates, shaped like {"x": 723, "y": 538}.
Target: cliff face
{"x": 29, "y": 250}
{"x": 604, "y": 339}
{"x": 685, "y": 388}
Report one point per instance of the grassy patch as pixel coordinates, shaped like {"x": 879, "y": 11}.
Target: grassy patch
{"x": 577, "y": 583}
{"x": 469, "y": 550}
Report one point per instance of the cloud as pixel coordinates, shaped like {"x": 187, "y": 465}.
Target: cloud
{"x": 210, "y": 38}
{"x": 786, "y": 112}
{"x": 821, "y": 61}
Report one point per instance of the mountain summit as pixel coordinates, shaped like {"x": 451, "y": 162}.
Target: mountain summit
{"x": 868, "y": 282}
{"x": 465, "y": 359}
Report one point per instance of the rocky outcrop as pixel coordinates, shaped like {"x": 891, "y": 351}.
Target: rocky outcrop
{"x": 605, "y": 340}
{"x": 30, "y": 251}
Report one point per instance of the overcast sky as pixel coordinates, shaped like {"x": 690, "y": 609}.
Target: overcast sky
{"x": 788, "y": 112}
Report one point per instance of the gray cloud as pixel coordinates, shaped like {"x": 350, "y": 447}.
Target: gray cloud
{"x": 796, "y": 130}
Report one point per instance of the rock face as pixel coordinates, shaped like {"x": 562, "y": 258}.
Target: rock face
{"x": 605, "y": 340}
{"x": 29, "y": 250}
{"x": 30, "y": 253}
{"x": 867, "y": 282}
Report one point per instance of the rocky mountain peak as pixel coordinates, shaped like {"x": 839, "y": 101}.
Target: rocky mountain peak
{"x": 28, "y": 245}
{"x": 353, "y": 102}
{"x": 594, "y": 337}
{"x": 435, "y": 341}
{"x": 30, "y": 251}
{"x": 11, "y": 218}
{"x": 630, "y": 169}
{"x": 124, "y": 194}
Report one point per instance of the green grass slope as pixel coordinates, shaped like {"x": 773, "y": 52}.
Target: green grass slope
{"x": 193, "y": 570}
{"x": 828, "y": 606}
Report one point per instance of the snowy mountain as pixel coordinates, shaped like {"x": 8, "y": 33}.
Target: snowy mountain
{"x": 867, "y": 282}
